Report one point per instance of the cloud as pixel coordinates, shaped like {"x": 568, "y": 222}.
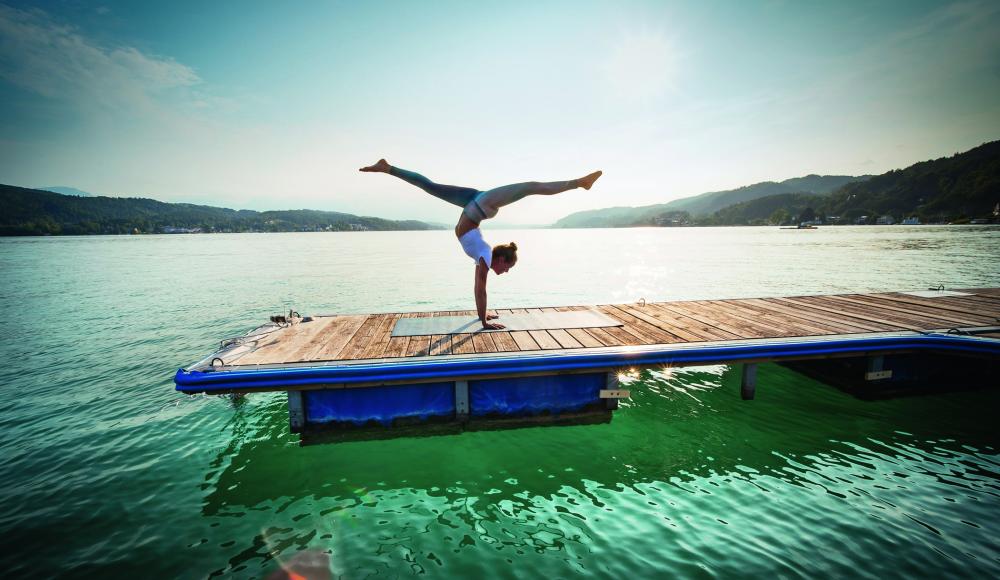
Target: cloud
{"x": 55, "y": 60}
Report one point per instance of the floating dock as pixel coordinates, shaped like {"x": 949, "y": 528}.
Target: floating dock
{"x": 351, "y": 374}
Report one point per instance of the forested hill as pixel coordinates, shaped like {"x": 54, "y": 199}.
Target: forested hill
{"x": 949, "y": 189}
{"x": 965, "y": 185}
{"x": 703, "y": 204}
{"x": 709, "y": 203}
{"x": 28, "y": 212}
{"x": 962, "y": 187}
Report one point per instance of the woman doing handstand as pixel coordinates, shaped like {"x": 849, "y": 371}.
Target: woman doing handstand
{"x": 477, "y": 206}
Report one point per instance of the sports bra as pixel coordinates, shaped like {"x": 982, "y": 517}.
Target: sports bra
{"x": 475, "y": 247}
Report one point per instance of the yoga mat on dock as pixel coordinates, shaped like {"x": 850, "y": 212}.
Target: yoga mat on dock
{"x": 526, "y": 321}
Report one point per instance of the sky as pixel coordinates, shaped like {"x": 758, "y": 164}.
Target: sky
{"x": 273, "y": 105}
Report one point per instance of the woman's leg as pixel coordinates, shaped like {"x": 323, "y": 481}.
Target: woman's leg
{"x": 460, "y": 196}
{"x": 515, "y": 191}
{"x": 494, "y": 199}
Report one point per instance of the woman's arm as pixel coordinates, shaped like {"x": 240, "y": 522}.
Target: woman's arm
{"x": 480, "y": 290}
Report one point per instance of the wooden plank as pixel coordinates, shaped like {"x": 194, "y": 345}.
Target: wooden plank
{"x": 862, "y": 308}
{"x": 649, "y": 332}
{"x": 909, "y": 310}
{"x": 605, "y": 339}
{"x": 380, "y": 338}
{"x": 419, "y": 345}
{"x": 355, "y": 348}
{"x": 776, "y": 315}
{"x": 869, "y": 310}
{"x": 970, "y": 305}
{"x": 769, "y": 328}
{"x": 685, "y": 327}
{"x": 812, "y": 302}
{"x": 544, "y": 339}
{"x": 275, "y": 346}
{"x": 440, "y": 344}
{"x": 504, "y": 342}
{"x": 585, "y": 339}
{"x": 396, "y": 347}
{"x": 827, "y": 317}
{"x": 561, "y": 336}
{"x": 333, "y": 340}
{"x": 953, "y": 316}
{"x": 954, "y": 303}
{"x": 727, "y": 321}
{"x": 707, "y": 318}
{"x": 621, "y": 335}
{"x": 661, "y": 320}
{"x": 565, "y": 339}
{"x": 700, "y": 331}
{"x": 975, "y": 304}
{"x": 483, "y": 342}
{"x": 462, "y": 344}
{"x": 524, "y": 340}
{"x": 610, "y": 335}
{"x": 816, "y": 327}
{"x": 290, "y": 341}
{"x": 581, "y": 334}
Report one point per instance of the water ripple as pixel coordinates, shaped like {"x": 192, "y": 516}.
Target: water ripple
{"x": 109, "y": 472}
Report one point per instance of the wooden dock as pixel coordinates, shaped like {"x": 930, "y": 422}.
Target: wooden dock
{"x": 314, "y": 357}
{"x": 368, "y": 336}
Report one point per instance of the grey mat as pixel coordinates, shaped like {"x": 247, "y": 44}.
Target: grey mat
{"x": 529, "y": 321}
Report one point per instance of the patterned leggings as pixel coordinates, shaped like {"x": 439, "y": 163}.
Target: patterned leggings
{"x": 479, "y": 205}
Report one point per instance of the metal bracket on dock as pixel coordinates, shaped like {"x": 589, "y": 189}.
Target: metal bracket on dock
{"x": 461, "y": 399}
{"x": 611, "y": 384}
{"x": 748, "y": 384}
{"x": 296, "y": 412}
{"x": 876, "y": 369}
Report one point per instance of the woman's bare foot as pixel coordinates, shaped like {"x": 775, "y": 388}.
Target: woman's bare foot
{"x": 588, "y": 181}
{"x": 381, "y": 166}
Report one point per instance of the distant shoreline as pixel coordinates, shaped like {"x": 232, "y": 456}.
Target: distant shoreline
{"x": 836, "y": 226}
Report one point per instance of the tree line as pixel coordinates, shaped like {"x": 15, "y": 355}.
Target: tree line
{"x": 32, "y": 212}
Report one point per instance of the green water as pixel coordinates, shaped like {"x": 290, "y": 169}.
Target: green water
{"x": 108, "y": 472}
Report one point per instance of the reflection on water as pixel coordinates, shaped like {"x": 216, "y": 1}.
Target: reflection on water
{"x": 108, "y": 472}
{"x": 688, "y": 475}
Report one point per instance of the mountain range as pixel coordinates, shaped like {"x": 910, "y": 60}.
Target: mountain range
{"x": 965, "y": 185}
{"x": 703, "y": 204}
{"x": 32, "y": 212}
{"x": 949, "y": 189}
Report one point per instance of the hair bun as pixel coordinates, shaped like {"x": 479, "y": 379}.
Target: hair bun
{"x": 513, "y": 246}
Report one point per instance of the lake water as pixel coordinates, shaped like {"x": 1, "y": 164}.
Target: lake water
{"x": 108, "y": 472}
